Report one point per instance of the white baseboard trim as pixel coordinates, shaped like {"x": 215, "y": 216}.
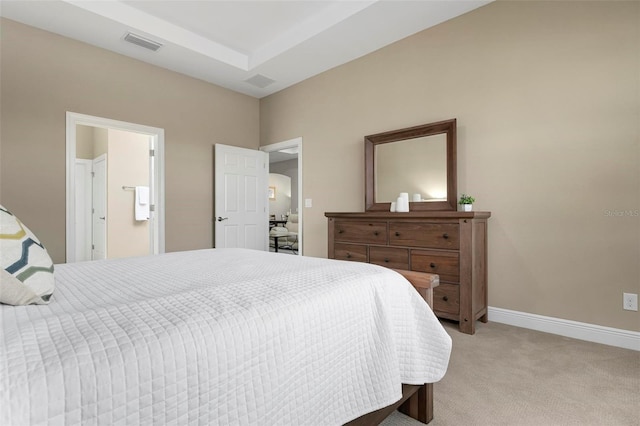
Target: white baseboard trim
{"x": 577, "y": 330}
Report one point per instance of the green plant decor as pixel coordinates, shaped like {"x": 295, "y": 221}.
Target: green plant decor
{"x": 466, "y": 199}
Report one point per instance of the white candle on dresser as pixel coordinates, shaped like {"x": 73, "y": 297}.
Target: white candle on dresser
{"x": 402, "y": 205}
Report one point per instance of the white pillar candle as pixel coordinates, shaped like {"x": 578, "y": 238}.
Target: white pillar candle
{"x": 402, "y": 205}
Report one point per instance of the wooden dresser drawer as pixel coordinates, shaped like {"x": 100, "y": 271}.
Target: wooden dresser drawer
{"x": 353, "y": 252}
{"x": 446, "y": 298}
{"x": 432, "y": 235}
{"x": 390, "y": 257}
{"x": 361, "y": 232}
{"x": 445, "y": 264}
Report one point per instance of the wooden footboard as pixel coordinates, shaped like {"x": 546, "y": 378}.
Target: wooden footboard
{"x": 416, "y": 402}
{"x": 419, "y": 405}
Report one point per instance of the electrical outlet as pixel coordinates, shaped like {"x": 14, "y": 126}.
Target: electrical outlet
{"x": 630, "y": 301}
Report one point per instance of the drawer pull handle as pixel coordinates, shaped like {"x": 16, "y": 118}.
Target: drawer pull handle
{"x": 432, "y": 265}
{"x": 348, "y": 255}
{"x": 386, "y": 259}
{"x": 445, "y": 298}
{"x": 375, "y": 232}
{"x": 397, "y": 234}
{"x": 445, "y": 236}
{"x": 340, "y": 231}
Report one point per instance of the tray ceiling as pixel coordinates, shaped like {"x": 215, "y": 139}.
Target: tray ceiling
{"x": 252, "y": 47}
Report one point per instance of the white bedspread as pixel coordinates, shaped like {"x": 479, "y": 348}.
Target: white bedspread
{"x": 216, "y": 337}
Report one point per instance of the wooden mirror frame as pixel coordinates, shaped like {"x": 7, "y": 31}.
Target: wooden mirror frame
{"x": 448, "y": 127}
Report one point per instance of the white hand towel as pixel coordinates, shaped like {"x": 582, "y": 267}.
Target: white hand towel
{"x": 142, "y": 203}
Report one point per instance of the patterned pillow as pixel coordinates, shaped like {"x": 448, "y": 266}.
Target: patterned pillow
{"x": 26, "y": 270}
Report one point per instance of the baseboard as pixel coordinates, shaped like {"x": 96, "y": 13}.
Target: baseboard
{"x": 577, "y": 330}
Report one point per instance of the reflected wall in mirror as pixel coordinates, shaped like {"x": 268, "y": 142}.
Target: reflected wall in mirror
{"x": 418, "y": 160}
{"x": 430, "y": 183}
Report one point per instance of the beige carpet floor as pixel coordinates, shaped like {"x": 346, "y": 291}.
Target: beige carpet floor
{"x": 506, "y": 375}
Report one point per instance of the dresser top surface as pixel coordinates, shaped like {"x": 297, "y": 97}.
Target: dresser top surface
{"x": 410, "y": 215}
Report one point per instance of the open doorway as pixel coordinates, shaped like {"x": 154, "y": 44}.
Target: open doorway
{"x": 285, "y": 196}
{"x": 115, "y": 189}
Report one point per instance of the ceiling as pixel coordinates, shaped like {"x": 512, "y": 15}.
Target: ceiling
{"x": 252, "y": 47}
{"x": 279, "y": 156}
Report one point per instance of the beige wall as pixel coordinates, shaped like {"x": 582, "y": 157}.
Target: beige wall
{"x": 44, "y": 75}
{"x": 281, "y": 205}
{"x": 100, "y": 141}
{"x": 127, "y": 165}
{"x": 288, "y": 168}
{"x": 84, "y": 142}
{"x": 414, "y": 166}
{"x": 547, "y": 100}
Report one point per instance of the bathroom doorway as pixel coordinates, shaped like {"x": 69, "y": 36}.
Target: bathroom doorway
{"x": 111, "y": 166}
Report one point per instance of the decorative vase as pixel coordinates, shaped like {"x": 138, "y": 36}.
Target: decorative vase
{"x": 467, "y": 207}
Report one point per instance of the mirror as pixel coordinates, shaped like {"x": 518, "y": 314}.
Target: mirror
{"x": 420, "y": 160}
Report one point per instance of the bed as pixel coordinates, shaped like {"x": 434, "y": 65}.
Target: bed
{"x": 217, "y": 337}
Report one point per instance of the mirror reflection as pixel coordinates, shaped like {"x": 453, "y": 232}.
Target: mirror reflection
{"x": 423, "y": 162}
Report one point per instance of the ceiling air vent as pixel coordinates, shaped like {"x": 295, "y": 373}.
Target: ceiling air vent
{"x": 260, "y": 81}
{"x": 142, "y": 42}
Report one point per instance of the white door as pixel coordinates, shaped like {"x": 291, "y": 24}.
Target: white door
{"x": 83, "y": 210}
{"x": 99, "y": 216}
{"x": 241, "y": 217}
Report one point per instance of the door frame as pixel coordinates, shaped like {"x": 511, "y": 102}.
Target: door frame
{"x": 157, "y": 231}
{"x": 293, "y": 143}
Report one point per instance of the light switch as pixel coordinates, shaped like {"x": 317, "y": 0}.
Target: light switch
{"x": 308, "y": 202}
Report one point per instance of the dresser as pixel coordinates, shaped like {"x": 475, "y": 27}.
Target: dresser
{"x": 448, "y": 243}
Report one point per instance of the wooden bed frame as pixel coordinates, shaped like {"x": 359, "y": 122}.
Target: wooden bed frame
{"x": 417, "y": 400}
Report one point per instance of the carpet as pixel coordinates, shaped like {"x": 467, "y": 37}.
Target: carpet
{"x": 505, "y": 375}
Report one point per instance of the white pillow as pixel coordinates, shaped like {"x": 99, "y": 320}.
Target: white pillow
{"x": 26, "y": 269}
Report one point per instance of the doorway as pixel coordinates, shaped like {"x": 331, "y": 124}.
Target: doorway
{"x": 285, "y": 160}
{"x": 126, "y": 159}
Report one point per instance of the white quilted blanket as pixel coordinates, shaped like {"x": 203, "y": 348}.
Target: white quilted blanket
{"x": 216, "y": 337}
